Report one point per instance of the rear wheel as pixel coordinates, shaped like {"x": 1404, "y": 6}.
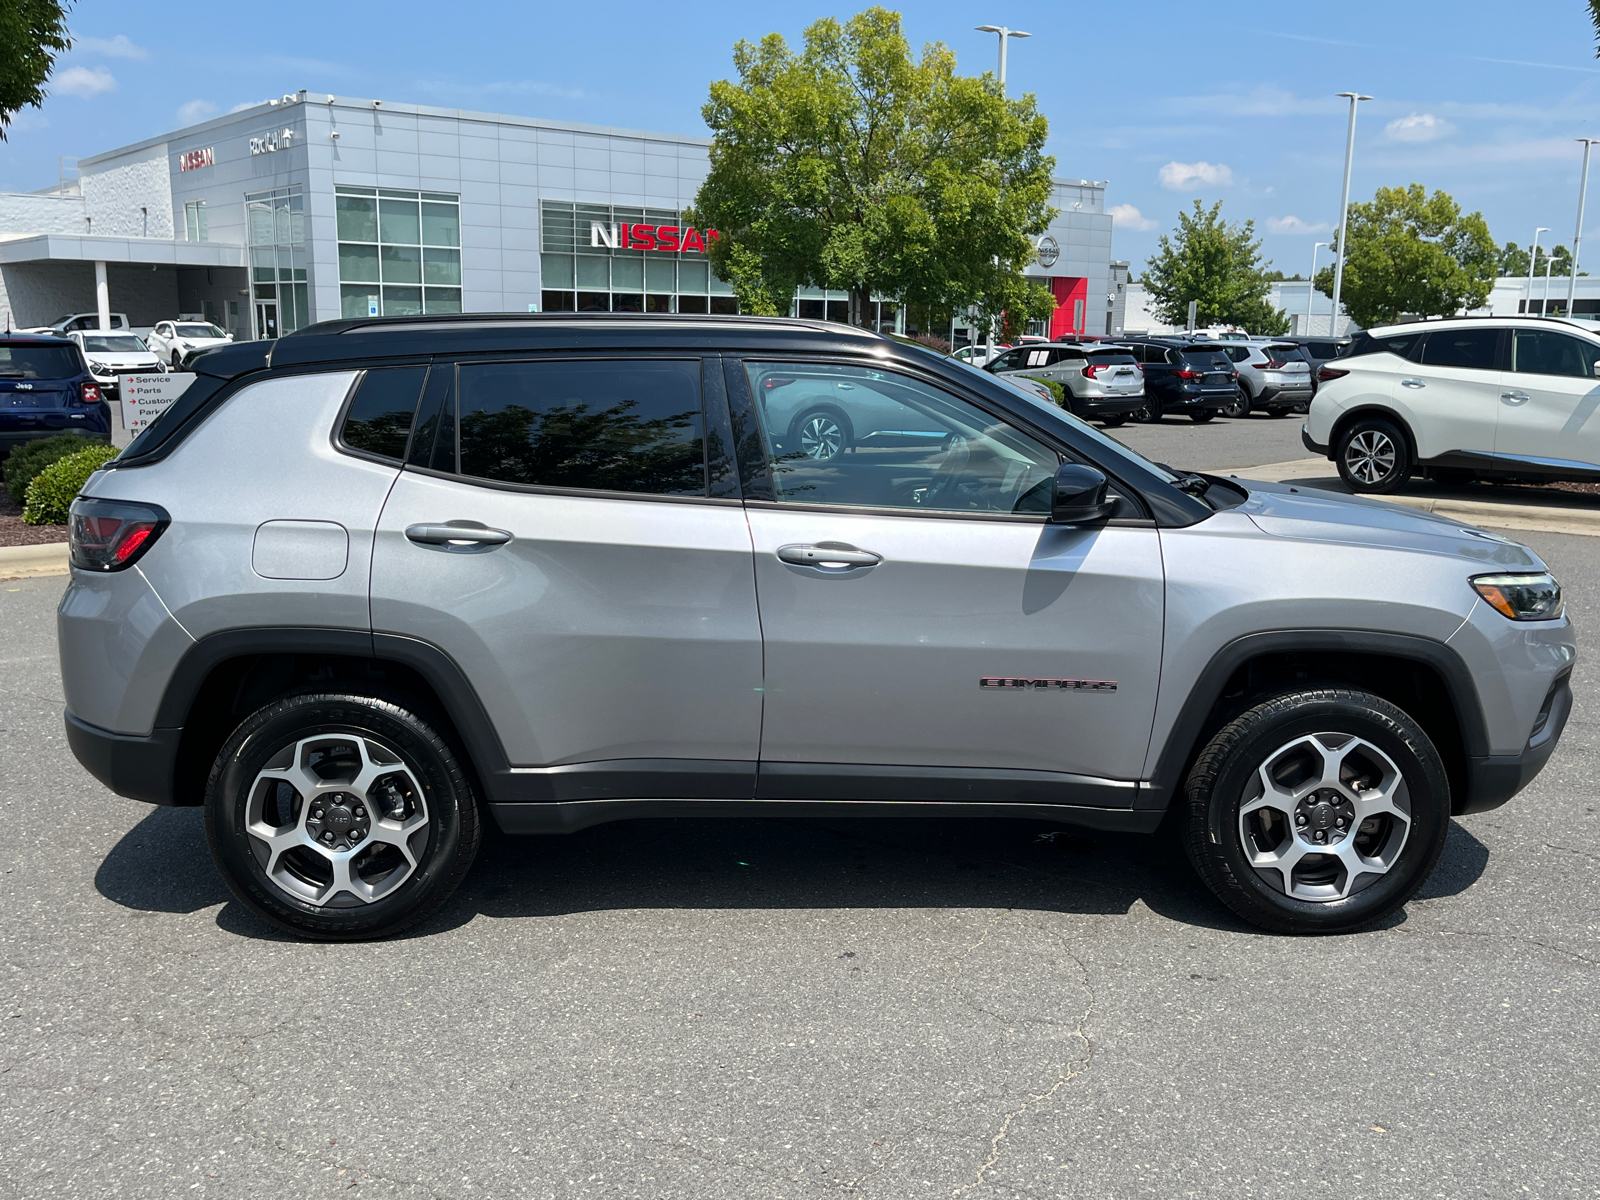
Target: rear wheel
{"x": 340, "y": 817}
{"x": 1201, "y": 416}
{"x": 1239, "y": 406}
{"x": 821, "y": 435}
{"x": 1373, "y": 456}
{"x": 1320, "y": 811}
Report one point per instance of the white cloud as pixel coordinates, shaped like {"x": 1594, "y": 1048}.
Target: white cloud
{"x": 1183, "y": 177}
{"x": 1418, "y": 127}
{"x": 83, "y": 81}
{"x": 1126, "y": 216}
{"x": 196, "y": 111}
{"x": 1295, "y": 225}
{"x": 247, "y": 104}
{"x": 117, "y": 47}
{"x": 1264, "y": 101}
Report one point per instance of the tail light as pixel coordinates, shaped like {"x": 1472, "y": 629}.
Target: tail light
{"x": 108, "y": 535}
{"x": 1188, "y": 373}
{"x": 90, "y": 393}
{"x": 1090, "y": 371}
{"x": 774, "y": 383}
{"x": 1274, "y": 364}
{"x": 1329, "y": 374}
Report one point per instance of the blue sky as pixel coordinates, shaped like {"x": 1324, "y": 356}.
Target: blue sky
{"x": 1170, "y": 102}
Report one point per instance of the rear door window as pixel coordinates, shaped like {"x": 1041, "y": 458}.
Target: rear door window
{"x": 620, "y": 425}
{"x": 1477, "y": 349}
{"x": 39, "y": 362}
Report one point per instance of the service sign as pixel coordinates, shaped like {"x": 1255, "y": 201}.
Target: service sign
{"x": 146, "y": 397}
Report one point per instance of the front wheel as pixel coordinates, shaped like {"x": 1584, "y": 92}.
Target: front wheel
{"x": 1201, "y": 416}
{"x": 1150, "y": 414}
{"x": 340, "y": 817}
{"x": 1372, "y": 456}
{"x": 1318, "y": 811}
{"x": 177, "y": 362}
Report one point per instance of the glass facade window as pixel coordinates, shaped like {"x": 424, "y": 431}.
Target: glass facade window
{"x": 582, "y": 270}
{"x": 276, "y": 226}
{"x": 194, "y": 221}
{"x": 399, "y": 251}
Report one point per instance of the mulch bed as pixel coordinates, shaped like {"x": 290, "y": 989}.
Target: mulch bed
{"x": 14, "y": 533}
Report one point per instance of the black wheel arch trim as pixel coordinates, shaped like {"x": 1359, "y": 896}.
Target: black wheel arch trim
{"x": 1183, "y": 740}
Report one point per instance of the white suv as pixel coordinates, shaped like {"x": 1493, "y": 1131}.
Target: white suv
{"x": 1462, "y": 399}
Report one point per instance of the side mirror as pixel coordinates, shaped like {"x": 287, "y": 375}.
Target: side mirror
{"x": 1597, "y": 368}
{"x": 1079, "y": 497}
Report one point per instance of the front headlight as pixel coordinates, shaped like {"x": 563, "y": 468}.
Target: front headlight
{"x": 1521, "y": 597}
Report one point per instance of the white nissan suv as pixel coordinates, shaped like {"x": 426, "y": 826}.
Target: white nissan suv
{"x": 1462, "y": 399}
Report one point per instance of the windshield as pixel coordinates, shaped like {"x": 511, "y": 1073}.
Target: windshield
{"x": 1110, "y": 444}
{"x": 101, "y": 344}
{"x": 39, "y": 362}
{"x": 200, "y": 331}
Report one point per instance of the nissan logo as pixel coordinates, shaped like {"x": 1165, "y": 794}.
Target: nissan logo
{"x": 1049, "y": 251}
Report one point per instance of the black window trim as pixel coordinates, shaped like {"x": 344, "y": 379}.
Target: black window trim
{"x": 707, "y": 361}
{"x": 735, "y": 365}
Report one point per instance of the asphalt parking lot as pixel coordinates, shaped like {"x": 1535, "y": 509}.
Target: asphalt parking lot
{"x": 785, "y": 1009}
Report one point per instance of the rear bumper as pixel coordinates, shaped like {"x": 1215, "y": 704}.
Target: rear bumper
{"x": 1109, "y": 405}
{"x": 140, "y": 768}
{"x": 92, "y": 424}
{"x": 1314, "y": 446}
{"x": 1278, "y": 393}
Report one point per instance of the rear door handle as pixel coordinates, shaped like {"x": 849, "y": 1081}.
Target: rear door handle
{"x": 832, "y": 557}
{"x": 1515, "y": 397}
{"x": 1412, "y": 383}
{"x": 454, "y": 534}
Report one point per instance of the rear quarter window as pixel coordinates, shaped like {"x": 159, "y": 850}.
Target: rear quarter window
{"x": 380, "y": 414}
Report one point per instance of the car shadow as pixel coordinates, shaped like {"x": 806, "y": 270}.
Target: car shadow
{"x": 163, "y": 865}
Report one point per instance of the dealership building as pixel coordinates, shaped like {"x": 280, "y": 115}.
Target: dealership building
{"x": 312, "y": 207}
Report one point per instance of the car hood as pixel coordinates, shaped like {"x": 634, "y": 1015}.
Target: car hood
{"x": 1307, "y": 514}
{"x": 123, "y": 360}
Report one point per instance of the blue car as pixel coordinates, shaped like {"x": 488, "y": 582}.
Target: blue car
{"x": 46, "y": 390}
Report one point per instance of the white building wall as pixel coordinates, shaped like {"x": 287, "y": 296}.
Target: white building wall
{"x": 34, "y": 212}
{"x": 129, "y": 195}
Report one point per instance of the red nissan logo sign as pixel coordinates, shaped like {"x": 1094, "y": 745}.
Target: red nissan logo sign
{"x": 665, "y": 237}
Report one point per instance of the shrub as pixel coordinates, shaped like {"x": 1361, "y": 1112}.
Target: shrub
{"x": 933, "y": 342}
{"x": 1057, "y": 390}
{"x": 28, "y": 459}
{"x": 53, "y": 489}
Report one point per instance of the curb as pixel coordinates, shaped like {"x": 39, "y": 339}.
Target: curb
{"x": 24, "y": 562}
{"x": 1537, "y": 518}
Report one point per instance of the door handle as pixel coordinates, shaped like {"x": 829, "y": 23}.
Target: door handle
{"x": 1515, "y": 397}
{"x": 832, "y": 557}
{"x": 458, "y": 535}
{"x": 1412, "y": 383}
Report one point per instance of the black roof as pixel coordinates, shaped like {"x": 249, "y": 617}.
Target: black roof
{"x": 32, "y": 339}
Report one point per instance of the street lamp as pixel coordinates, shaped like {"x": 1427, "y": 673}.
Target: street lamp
{"x": 1344, "y": 207}
{"x": 1311, "y": 287}
{"x": 1004, "y": 34}
{"x": 1572, "y": 272}
{"x": 1533, "y": 255}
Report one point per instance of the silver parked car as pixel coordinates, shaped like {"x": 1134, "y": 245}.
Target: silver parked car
{"x": 1103, "y": 382}
{"x": 1274, "y": 378}
{"x": 368, "y": 586}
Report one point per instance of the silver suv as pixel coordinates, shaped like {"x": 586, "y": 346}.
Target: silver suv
{"x": 371, "y": 585}
{"x": 1103, "y": 382}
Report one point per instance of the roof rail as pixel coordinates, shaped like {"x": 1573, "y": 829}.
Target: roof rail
{"x": 436, "y": 321}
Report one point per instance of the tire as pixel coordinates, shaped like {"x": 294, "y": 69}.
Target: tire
{"x": 1373, "y": 456}
{"x": 1251, "y": 846}
{"x": 820, "y": 434}
{"x": 1203, "y": 415}
{"x": 177, "y": 361}
{"x": 1240, "y": 407}
{"x": 351, "y": 875}
{"x": 1150, "y": 414}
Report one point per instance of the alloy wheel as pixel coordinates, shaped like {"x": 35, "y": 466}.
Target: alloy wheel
{"x": 337, "y": 820}
{"x": 820, "y": 437}
{"x": 1326, "y": 816}
{"x": 1370, "y": 456}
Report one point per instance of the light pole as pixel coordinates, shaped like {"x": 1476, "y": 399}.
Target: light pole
{"x": 1344, "y": 207}
{"x": 1311, "y": 287}
{"x": 1533, "y": 256}
{"x": 1572, "y": 272}
{"x": 1004, "y": 34}
{"x": 1544, "y": 305}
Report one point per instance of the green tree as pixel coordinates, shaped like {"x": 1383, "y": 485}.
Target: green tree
{"x": 1218, "y": 265}
{"x": 32, "y": 33}
{"x": 1414, "y": 254}
{"x": 850, "y": 165}
{"x": 1514, "y": 261}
